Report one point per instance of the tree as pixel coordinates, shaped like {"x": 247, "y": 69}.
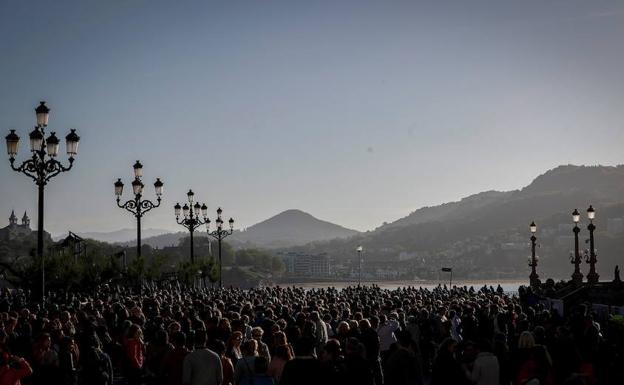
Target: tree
{"x": 245, "y": 257}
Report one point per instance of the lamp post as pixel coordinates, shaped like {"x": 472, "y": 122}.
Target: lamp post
{"x": 449, "y": 270}
{"x": 191, "y": 219}
{"x": 359, "y": 252}
{"x": 219, "y": 234}
{"x": 42, "y": 166}
{"x": 577, "y": 276}
{"x": 533, "y": 278}
{"x": 592, "y": 276}
{"x": 137, "y": 206}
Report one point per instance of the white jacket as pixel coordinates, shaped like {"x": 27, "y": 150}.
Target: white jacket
{"x": 485, "y": 370}
{"x": 386, "y": 334}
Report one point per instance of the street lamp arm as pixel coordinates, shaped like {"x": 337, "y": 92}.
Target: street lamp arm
{"x": 191, "y": 224}
{"x": 130, "y": 205}
{"x": 220, "y": 235}
{"x": 41, "y": 171}
{"x": 138, "y": 207}
{"x": 28, "y": 168}
{"x": 147, "y": 205}
{"x": 53, "y": 167}
{"x": 194, "y": 225}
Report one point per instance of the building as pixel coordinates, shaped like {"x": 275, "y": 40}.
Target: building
{"x": 406, "y": 256}
{"x": 307, "y": 265}
{"x": 70, "y": 246}
{"x": 15, "y": 230}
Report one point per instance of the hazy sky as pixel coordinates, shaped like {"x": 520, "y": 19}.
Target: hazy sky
{"x": 357, "y": 112}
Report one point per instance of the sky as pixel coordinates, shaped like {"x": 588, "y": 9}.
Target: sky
{"x": 357, "y": 112}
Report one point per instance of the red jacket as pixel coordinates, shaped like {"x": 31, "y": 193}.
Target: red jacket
{"x": 12, "y": 376}
{"x": 134, "y": 352}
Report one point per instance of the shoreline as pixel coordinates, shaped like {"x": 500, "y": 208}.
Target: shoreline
{"x": 404, "y": 283}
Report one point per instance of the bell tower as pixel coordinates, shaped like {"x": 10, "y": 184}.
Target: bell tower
{"x": 12, "y": 218}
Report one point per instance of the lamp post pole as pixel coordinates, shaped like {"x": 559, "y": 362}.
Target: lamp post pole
{"x": 449, "y": 270}
{"x": 219, "y": 234}
{"x": 137, "y": 206}
{"x": 577, "y": 276}
{"x": 592, "y": 276}
{"x": 533, "y": 278}
{"x": 191, "y": 219}
{"x": 41, "y": 167}
{"x": 359, "y": 252}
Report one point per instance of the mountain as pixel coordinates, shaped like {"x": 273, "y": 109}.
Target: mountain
{"x": 164, "y": 240}
{"x": 552, "y": 192}
{"x": 451, "y": 210}
{"x": 289, "y": 228}
{"x": 488, "y": 231}
{"x": 118, "y": 236}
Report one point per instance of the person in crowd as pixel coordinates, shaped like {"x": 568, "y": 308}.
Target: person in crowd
{"x": 135, "y": 351}
{"x": 531, "y": 361}
{"x": 68, "y": 361}
{"x": 172, "y": 364}
{"x": 485, "y": 369}
{"x": 45, "y": 359}
{"x": 218, "y": 347}
{"x": 13, "y": 369}
{"x": 359, "y": 370}
{"x": 233, "y": 347}
{"x": 386, "y": 329}
{"x": 260, "y": 376}
{"x": 281, "y": 339}
{"x": 283, "y": 354}
{"x": 370, "y": 340}
{"x": 202, "y": 366}
{"x": 333, "y": 366}
{"x": 263, "y": 349}
{"x": 96, "y": 368}
{"x": 304, "y": 369}
{"x": 155, "y": 353}
{"x": 402, "y": 366}
{"x": 320, "y": 328}
{"x": 244, "y": 369}
{"x": 446, "y": 367}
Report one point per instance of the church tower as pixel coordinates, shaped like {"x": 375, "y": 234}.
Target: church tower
{"x": 12, "y": 218}
{"x": 25, "y": 220}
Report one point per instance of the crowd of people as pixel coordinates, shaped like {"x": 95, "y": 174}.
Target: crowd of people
{"x": 292, "y": 336}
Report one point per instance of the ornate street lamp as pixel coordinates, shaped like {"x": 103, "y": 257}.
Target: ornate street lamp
{"x": 577, "y": 276}
{"x": 137, "y": 206}
{"x": 42, "y": 166}
{"x": 191, "y": 219}
{"x": 219, "y": 234}
{"x": 359, "y": 250}
{"x": 533, "y": 278}
{"x": 592, "y": 276}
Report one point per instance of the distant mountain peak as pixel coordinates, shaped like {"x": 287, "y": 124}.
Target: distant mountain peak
{"x": 572, "y": 177}
{"x": 292, "y": 227}
{"x": 293, "y": 212}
